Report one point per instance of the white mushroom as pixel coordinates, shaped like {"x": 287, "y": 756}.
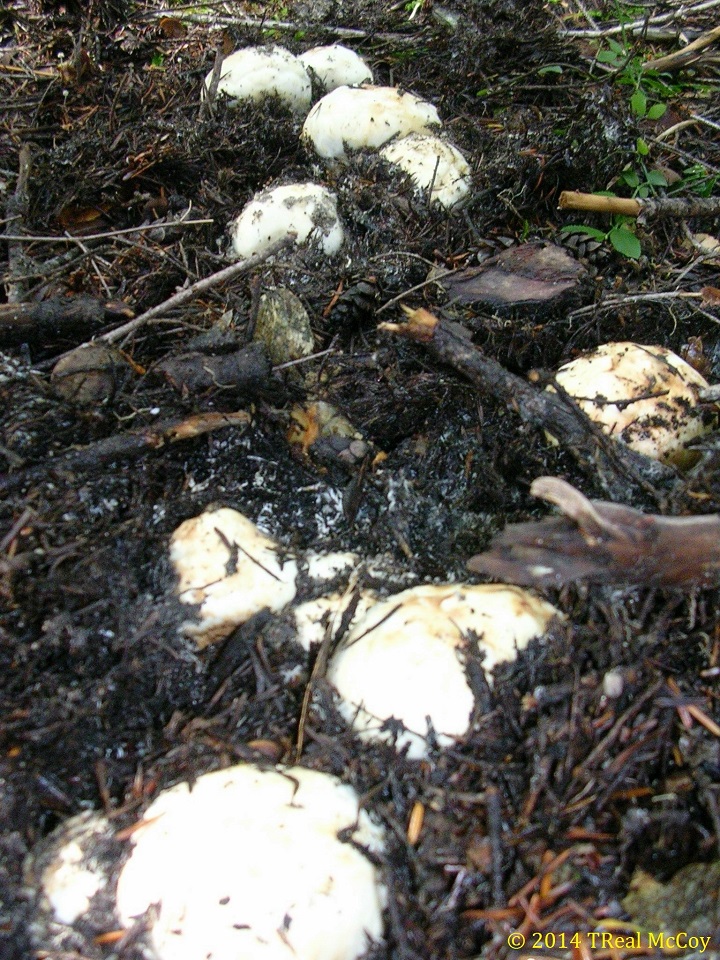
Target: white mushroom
{"x": 361, "y": 118}
{"x": 230, "y": 570}
{"x": 305, "y": 210}
{"x": 255, "y": 73}
{"x": 313, "y": 617}
{"x": 336, "y": 66}
{"x": 66, "y": 870}
{"x": 404, "y": 658}
{"x": 247, "y": 862}
{"x": 645, "y": 396}
{"x": 433, "y": 165}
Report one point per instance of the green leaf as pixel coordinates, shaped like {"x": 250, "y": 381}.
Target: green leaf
{"x": 642, "y": 148}
{"x": 625, "y": 242}
{"x": 656, "y": 179}
{"x": 656, "y": 111}
{"x": 591, "y": 232}
{"x": 550, "y": 68}
{"x": 630, "y": 179}
{"x": 638, "y": 103}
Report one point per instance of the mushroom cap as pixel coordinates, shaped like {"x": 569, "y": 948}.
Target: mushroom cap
{"x": 230, "y": 570}
{"x": 254, "y": 73}
{"x": 431, "y": 162}
{"x": 305, "y": 209}
{"x": 645, "y": 396}
{"x": 336, "y": 66}
{"x": 405, "y": 658}
{"x": 361, "y": 118}
{"x": 246, "y": 862}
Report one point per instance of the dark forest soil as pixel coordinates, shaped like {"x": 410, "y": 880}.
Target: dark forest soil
{"x": 539, "y": 819}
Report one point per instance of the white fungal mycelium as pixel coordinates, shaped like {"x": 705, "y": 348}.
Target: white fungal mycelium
{"x": 255, "y": 73}
{"x": 305, "y": 211}
{"x": 247, "y": 862}
{"x": 433, "y": 165}
{"x": 645, "y": 396}
{"x": 364, "y": 118}
{"x": 405, "y": 658}
{"x": 68, "y": 873}
{"x": 336, "y": 66}
{"x": 314, "y": 618}
{"x": 230, "y": 570}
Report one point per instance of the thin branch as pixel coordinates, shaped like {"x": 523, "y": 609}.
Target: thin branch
{"x": 189, "y": 293}
{"x": 26, "y": 238}
{"x": 681, "y": 58}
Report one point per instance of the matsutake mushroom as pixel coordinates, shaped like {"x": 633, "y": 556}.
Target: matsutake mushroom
{"x": 364, "y": 118}
{"x": 304, "y": 213}
{"x": 229, "y": 570}
{"x": 336, "y": 66}
{"x": 404, "y": 660}
{"x": 255, "y": 73}
{"x": 253, "y": 862}
{"x": 436, "y": 168}
{"x": 643, "y": 395}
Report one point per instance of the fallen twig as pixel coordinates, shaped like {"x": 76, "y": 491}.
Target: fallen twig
{"x": 189, "y": 293}
{"x": 109, "y": 234}
{"x": 643, "y": 209}
{"x": 614, "y": 462}
{"x": 645, "y": 24}
{"x": 58, "y": 316}
{"x": 125, "y": 446}
{"x": 688, "y": 54}
{"x": 604, "y": 543}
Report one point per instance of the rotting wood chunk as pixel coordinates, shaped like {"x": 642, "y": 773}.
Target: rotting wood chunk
{"x": 603, "y": 542}
{"x": 246, "y": 370}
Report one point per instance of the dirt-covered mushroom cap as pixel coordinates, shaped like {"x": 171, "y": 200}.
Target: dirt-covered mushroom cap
{"x": 247, "y": 862}
{"x": 305, "y": 210}
{"x": 433, "y": 165}
{"x": 336, "y": 66}
{"x": 364, "y": 118}
{"x": 230, "y": 570}
{"x": 405, "y": 658}
{"x": 255, "y": 73}
{"x": 645, "y": 396}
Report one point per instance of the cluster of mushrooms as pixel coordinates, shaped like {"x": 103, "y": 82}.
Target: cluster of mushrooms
{"x": 353, "y": 115}
{"x": 304, "y": 880}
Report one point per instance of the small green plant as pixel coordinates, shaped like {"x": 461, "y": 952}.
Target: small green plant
{"x": 697, "y": 180}
{"x": 620, "y": 236}
{"x": 649, "y": 89}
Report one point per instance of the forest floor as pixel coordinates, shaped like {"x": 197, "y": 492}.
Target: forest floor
{"x": 593, "y": 761}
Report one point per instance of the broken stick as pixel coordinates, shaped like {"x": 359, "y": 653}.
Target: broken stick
{"x": 125, "y": 446}
{"x": 643, "y": 209}
{"x": 617, "y": 464}
{"x": 604, "y": 543}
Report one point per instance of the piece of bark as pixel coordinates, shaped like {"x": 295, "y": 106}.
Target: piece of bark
{"x": 246, "y": 370}
{"x": 533, "y": 273}
{"x": 603, "y": 543}
{"x": 58, "y": 317}
{"x": 620, "y": 468}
